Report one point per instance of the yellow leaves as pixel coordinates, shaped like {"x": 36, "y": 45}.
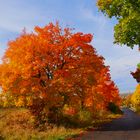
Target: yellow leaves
{"x": 69, "y": 110}
{"x": 136, "y": 96}
{"x": 29, "y": 101}
{"x": 23, "y": 101}
{"x": 20, "y": 102}
{"x": 102, "y": 3}
{"x": 5, "y": 104}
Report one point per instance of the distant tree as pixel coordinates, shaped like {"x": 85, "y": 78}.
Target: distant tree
{"x": 127, "y": 100}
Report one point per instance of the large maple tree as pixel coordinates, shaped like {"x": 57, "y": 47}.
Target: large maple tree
{"x": 53, "y": 67}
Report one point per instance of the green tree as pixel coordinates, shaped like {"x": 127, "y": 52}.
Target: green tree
{"x": 127, "y": 12}
{"x": 138, "y": 65}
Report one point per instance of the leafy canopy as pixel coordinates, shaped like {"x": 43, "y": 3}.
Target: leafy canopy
{"x": 127, "y": 12}
{"x": 52, "y": 67}
{"x": 136, "y": 96}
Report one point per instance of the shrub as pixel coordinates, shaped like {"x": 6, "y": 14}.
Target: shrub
{"x": 84, "y": 116}
{"x": 114, "y": 108}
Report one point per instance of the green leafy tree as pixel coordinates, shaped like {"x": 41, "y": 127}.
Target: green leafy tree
{"x": 127, "y": 12}
{"x": 138, "y": 65}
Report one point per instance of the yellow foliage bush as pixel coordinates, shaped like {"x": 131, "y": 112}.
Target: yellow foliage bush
{"x": 135, "y": 99}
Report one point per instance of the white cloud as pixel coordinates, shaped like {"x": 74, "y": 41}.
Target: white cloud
{"x": 122, "y": 66}
{"x": 89, "y": 14}
{"x": 17, "y": 14}
{"x": 122, "y": 60}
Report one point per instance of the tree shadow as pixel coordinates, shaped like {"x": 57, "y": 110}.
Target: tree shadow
{"x": 129, "y": 122}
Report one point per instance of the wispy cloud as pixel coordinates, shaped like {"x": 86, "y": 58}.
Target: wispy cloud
{"x": 122, "y": 66}
{"x": 90, "y": 14}
{"x": 82, "y": 15}
{"x": 17, "y": 14}
{"x": 121, "y": 60}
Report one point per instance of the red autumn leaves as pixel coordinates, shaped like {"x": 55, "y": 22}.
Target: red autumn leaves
{"x": 136, "y": 75}
{"x": 59, "y": 67}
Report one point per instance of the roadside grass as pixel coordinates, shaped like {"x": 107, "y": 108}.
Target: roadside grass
{"x": 17, "y": 124}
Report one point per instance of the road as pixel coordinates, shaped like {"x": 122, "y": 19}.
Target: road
{"x": 125, "y": 128}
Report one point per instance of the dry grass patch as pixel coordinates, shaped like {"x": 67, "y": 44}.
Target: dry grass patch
{"x": 17, "y": 124}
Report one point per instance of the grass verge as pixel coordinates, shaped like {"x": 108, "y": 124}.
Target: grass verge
{"x": 17, "y": 124}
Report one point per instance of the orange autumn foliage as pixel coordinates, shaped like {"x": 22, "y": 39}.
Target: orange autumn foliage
{"x": 59, "y": 68}
{"x": 107, "y": 88}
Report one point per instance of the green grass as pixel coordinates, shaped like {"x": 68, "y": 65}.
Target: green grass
{"x": 17, "y": 124}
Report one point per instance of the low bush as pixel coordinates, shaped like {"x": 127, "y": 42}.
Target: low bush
{"x": 114, "y": 108}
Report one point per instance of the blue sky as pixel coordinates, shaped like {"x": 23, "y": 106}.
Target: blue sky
{"x": 82, "y": 15}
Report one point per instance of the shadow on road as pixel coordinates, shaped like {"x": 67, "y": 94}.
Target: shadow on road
{"x": 129, "y": 122}
{"x": 125, "y": 128}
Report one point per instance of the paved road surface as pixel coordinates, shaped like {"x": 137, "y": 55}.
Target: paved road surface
{"x": 125, "y": 128}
